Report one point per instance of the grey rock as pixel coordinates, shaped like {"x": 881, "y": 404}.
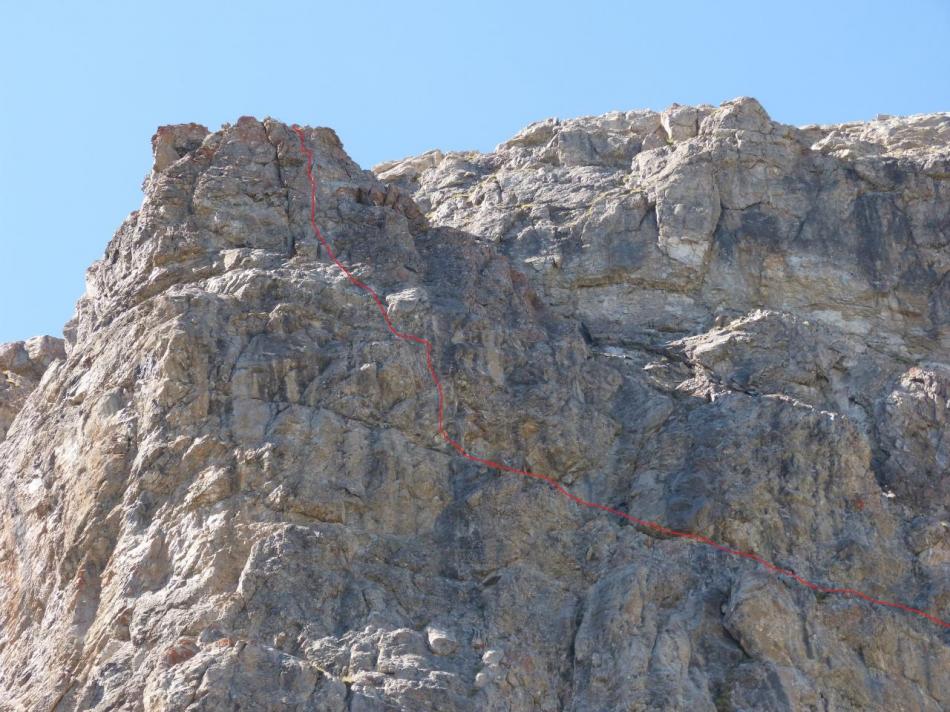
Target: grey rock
{"x": 440, "y": 641}
{"x": 913, "y": 424}
{"x": 227, "y": 490}
{"x": 492, "y": 657}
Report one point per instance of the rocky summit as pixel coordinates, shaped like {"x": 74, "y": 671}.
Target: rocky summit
{"x": 226, "y": 489}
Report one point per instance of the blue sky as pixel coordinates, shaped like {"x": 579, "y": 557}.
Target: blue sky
{"x": 84, "y": 85}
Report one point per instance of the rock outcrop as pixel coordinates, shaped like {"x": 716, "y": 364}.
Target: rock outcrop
{"x": 229, "y": 491}
{"x": 22, "y": 365}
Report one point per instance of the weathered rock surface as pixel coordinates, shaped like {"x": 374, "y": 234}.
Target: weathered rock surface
{"x": 230, "y": 493}
{"x": 22, "y": 365}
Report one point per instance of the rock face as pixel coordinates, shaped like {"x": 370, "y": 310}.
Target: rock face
{"x": 22, "y": 365}
{"x": 230, "y": 492}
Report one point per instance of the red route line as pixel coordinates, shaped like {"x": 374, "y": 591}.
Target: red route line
{"x": 788, "y": 573}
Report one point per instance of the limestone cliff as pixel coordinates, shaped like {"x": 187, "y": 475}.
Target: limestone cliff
{"x": 228, "y": 490}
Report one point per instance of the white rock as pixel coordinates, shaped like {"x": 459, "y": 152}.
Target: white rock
{"x": 440, "y": 641}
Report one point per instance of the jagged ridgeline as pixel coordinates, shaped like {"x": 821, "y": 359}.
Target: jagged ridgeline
{"x": 227, "y": 490}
